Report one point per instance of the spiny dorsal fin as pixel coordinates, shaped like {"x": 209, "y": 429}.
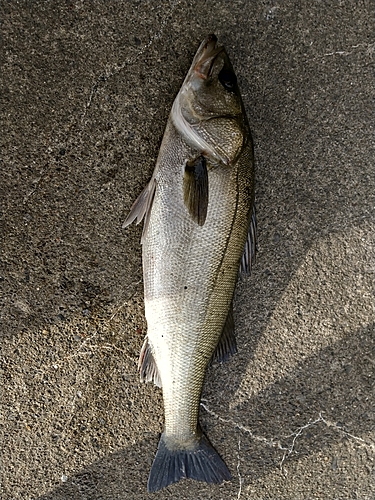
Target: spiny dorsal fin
{"x": 147, "y": 367}
{"x": 141, "y": 208}
{"x": 227, "y": 343}
{"x": 249, "y": 254}
{"x": 196, "y": 189}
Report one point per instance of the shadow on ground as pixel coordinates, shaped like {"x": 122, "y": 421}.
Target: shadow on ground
{"x": 326, "y": 385}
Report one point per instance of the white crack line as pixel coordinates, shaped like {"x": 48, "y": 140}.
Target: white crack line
{"x": 118, "y": 309}
{"x": 36, "y": 183}
{"x": 276, "y": 443}
{"x": 241, "y": 427}
{"x": 333, "y": 425}
{"x": 79, "y": 352}
{"x": 369, "y": 51}
{"x": 131, "y": 60}
{"x": 296, "y": 434}
{"x": 90, "y": 347}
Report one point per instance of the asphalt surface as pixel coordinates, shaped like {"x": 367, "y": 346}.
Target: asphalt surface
{"x": 86, "y": 92}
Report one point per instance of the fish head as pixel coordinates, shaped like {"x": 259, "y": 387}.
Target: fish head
{"x": 208, "y": 111}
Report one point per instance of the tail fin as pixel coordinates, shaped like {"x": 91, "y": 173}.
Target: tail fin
{"x": 201, "y": 463}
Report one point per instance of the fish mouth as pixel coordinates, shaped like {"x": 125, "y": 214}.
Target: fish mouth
{"x": 205, "y": 57}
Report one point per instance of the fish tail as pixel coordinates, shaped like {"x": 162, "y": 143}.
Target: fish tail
{"x": 202, "y": 463}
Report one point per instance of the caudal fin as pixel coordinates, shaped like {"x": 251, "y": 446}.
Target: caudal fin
{"x": 202, "y": 463}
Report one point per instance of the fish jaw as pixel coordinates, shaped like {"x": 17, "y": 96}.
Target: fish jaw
{"x": 204, "y": 58}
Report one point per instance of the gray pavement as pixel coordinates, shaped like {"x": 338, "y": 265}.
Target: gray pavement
{"x": 86, "y": 92}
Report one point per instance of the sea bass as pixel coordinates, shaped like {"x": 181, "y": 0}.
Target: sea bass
{"x": 199, "y": 227}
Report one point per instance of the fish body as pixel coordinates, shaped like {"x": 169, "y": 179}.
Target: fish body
{"x": 199, "y": 219}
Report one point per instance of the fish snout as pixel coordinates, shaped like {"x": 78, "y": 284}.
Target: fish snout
{"x": 206, "y": 57}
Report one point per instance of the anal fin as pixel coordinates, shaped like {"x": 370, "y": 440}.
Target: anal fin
{"x": 227, "y": 343}
{"x": 147, "y": 366}
{"x": 196, "y": 189}
{"x": 249, "y": 253}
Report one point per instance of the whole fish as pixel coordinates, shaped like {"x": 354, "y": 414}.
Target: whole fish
{"x": 199, "y": 226}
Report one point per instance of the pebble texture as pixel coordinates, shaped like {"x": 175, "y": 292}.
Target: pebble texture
{"x": 86, "y": 90}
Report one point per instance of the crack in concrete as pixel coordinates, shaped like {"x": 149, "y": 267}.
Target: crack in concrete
{"x": 36, "y": 183}
{"x": 78, "y": 353}
{"x": 276, "y": 442}
{"x": 107, "y": 74}
{"x": 88, "y": 345}
{"x": 102, "y": 79}
{"x": 295, "y": 434}
{"x": 369, "y": 50}
{"x": 241, "y": 427}
{"x": 118, "y": 309}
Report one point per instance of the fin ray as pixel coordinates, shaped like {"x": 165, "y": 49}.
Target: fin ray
{"x": 227, "y": 345}
{"x": 249, "y": 254}
{"x": 141, "y": 208}
{"x": 202, "y": 463}
{"x": 147, "y": 366}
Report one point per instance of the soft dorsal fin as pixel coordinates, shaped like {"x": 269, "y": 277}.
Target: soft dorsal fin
{"x": 227, "y": 343}
{"x": 249, "y": 254}
{"x": 196, "y": 189}
{"x": 147, "y": 367}
{"x": 141, "y": 208}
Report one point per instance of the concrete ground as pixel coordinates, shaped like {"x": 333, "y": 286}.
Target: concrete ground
{"x": 86, "y": 92}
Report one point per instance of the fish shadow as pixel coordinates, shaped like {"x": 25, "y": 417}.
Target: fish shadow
{"x": 326, "y": 385}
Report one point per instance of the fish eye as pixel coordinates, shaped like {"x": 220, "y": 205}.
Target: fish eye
{"x": 227, "y": 79}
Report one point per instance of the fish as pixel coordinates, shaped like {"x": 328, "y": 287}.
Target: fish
{"x": 199, "y": 231}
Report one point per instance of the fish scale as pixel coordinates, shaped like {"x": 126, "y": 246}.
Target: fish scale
{"x": 177, "y": 248}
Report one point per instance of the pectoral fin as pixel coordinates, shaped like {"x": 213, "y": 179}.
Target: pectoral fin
{"x": 248, "y": 257}
{"x": 196, "y": 189}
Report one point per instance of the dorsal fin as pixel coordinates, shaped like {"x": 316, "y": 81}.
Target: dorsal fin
{"x": 249, "y": 254}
